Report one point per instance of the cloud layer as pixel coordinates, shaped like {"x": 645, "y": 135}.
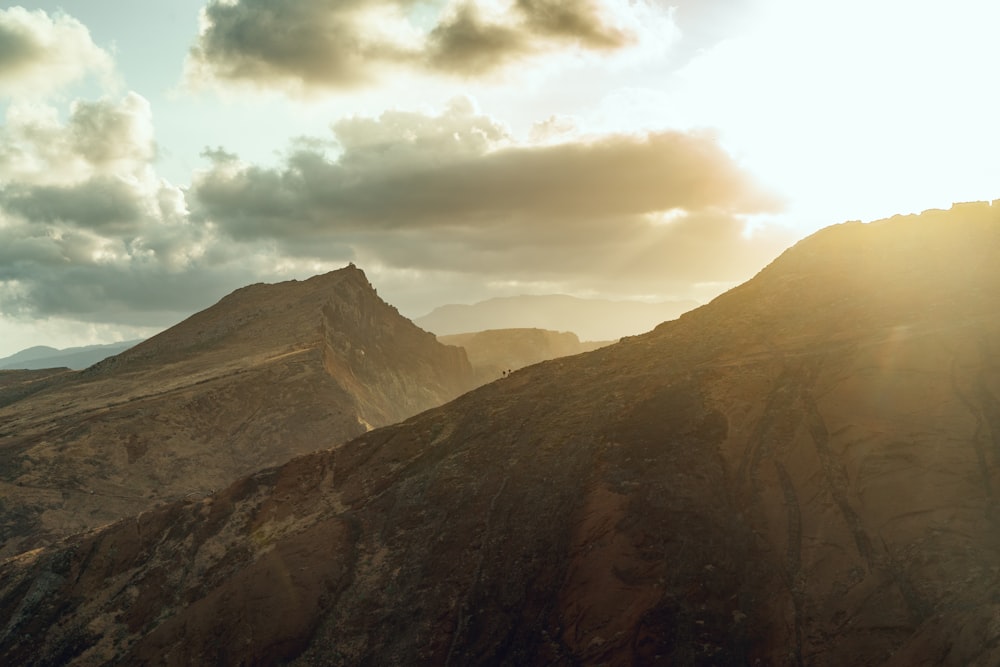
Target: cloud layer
{"x": 89, "y": 231}
{"x": 455, "y": 192}
{"x": 306, "y": 45}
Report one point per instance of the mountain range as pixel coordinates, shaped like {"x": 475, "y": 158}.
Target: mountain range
{"x": 802, "y": 472}
{"x": 76, "y": 358}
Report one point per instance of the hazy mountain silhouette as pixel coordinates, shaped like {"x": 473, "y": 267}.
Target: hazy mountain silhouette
{"x": 77, "y": 358}
{"x": 269, "y": 372}
{"x": 803, "y": 471}
{"x": 497, "y": 352}
{"x": 589, "y": 319}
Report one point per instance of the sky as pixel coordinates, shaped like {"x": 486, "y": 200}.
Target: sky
{"x": 156, "y": 156}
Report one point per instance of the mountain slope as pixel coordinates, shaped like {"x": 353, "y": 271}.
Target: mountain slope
{"x": 269, "y": 372}
{"x": 590, "y": 319}
{"x": 803, "y": 471}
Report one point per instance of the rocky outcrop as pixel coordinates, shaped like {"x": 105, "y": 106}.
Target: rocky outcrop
{"x": 803, "y": 472}
{"x": 270, "y": 372}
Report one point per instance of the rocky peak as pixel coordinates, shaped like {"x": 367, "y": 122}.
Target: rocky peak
{"x": 268, "y": 372}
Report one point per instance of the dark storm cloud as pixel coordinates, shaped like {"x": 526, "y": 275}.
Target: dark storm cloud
{"x": 435, "y": 193}
{"x": 316, "y": 44}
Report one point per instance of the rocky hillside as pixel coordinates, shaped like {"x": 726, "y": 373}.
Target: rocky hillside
{"x": 803, "y": 472}
{"x": 496, "y": 352}
{"x": 269, "y": 372}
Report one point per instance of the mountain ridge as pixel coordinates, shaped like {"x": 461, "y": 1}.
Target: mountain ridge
{"x": 269, "y": 372}
{"x": 800, "y": 472}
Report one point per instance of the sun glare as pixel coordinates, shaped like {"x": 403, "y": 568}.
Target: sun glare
{"x": 858, "y": 110}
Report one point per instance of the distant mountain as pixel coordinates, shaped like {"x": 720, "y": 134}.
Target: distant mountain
{"x": 269, "y": 372}
{"x": 589, "y": 319}
{"x": 496, "y": 352}
{"x": 43, "y": 356}
{"x": 803, "y": 472}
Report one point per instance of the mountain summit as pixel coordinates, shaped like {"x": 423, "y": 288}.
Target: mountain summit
{"x": 269, "y": 372}
{"x": 804, "y": 471}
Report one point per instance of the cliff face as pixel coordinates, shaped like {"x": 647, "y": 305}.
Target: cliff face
{"x": 270, "y": 372}
{"x": 805, "y": 471}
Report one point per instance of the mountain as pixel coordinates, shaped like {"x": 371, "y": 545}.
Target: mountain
{"x": 26, "y": 355}
{"x": 803, "y": 472}
{"x": 589, "y": 319}
{"x": 496, "y": 352}
{"x": 269, "y": 372}
{"x": 42, "y": 356}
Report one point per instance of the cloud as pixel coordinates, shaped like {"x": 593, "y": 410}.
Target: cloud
{"x": 455, "y": 192}
{"x": 89, "y": 231}
{"x": 100, "y": 138}
{"x": 40, "y": 53}
{"x": 309, "y": 45}
{"x": 299, "y": 43}
{"x": 101, "y": 203}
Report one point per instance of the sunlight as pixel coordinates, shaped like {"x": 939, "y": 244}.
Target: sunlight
{"x": 859, "y": 110}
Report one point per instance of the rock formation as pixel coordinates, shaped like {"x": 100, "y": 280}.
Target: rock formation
{"x": 269, "y": 372}
{"x": 803, "y": 472}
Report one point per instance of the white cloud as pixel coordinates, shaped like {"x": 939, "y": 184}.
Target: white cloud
{"x": 41, "y": 53}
